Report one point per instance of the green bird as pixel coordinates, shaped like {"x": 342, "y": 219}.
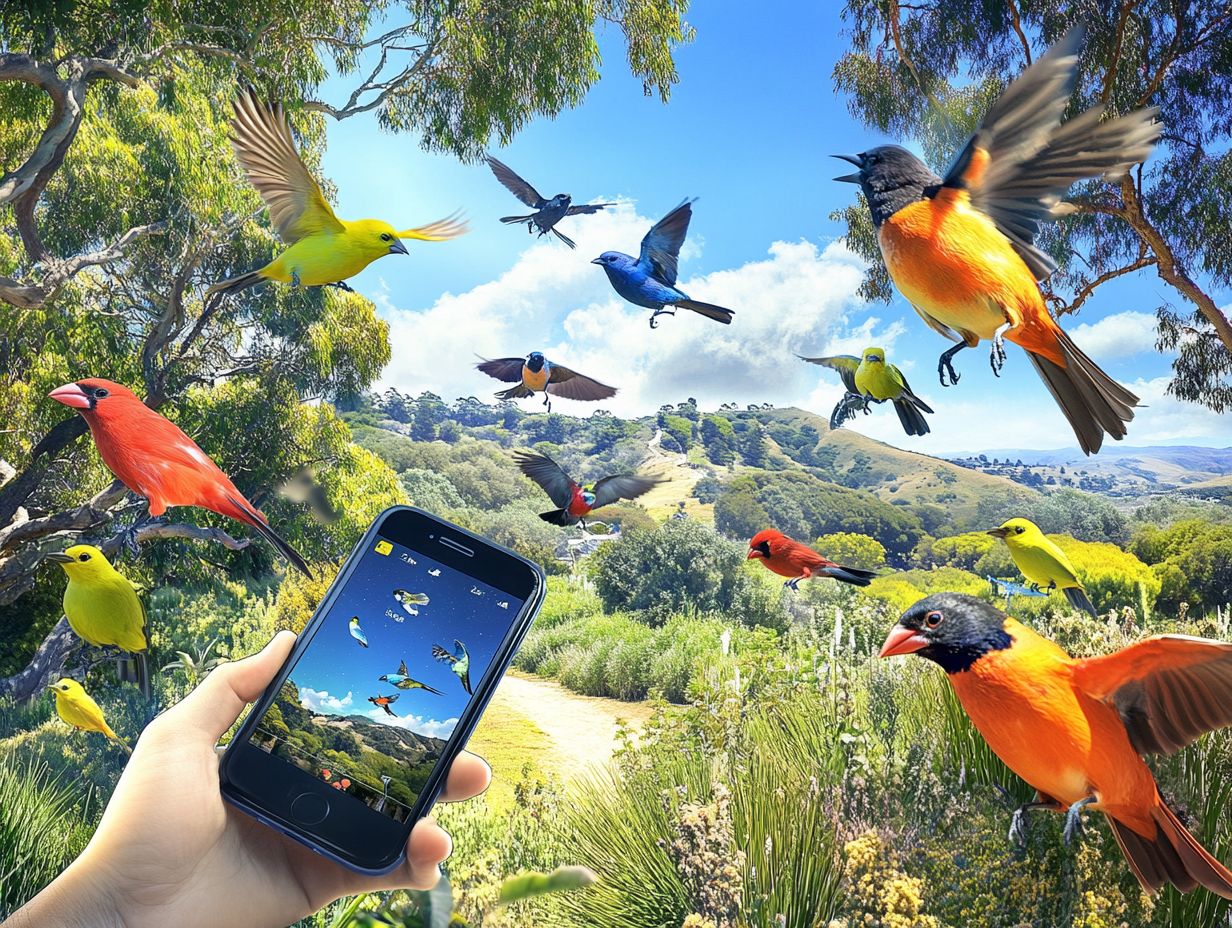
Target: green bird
{"x": 459, "y": 661}
{"x": 1042, "y": 562}
{"x": 871, "y": 378}
{"x": 403, "y": 681}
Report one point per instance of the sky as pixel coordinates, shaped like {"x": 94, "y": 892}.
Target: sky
{"x": 748, "y": 130}
{"x": 336, "y": 675}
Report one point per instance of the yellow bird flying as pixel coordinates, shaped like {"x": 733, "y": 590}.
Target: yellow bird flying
{"x": 871, "y": 377}
{"x": 1042, "y": 562}
{"x": 103, "y": 608}
{"x": 323, "y": 249}
{"x": 76, "y": 708}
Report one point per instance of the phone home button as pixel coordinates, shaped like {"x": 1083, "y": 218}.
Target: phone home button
{"x": 309, "y": 808}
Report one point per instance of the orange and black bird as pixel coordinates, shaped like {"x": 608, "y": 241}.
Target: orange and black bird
{"x": 1076, "y": 730}
{"x": 796, "y": 561}
{"x": 961, "y": 248}
{"x": 574, "y": 500}
{"x": 536, "y": 374}
{"x": 385, "y": 702}
{"x": 153, "y": 457}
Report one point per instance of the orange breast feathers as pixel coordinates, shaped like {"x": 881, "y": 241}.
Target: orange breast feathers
{"x": 955, "y": 266}
{"x": 535, "y": 380}
{"x": 789, "y": 558}
{"x": 1059, "y": 740}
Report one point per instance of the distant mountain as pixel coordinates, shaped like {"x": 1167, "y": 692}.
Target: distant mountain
{"x": 408, "y": 746}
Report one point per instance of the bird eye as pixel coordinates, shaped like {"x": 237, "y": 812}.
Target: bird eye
{"x": 1019, "y": 530}
{"x": 933, "y": 619}
{"x": 101, "y": 392}
{"x": 83, "y": 557}
{"x": 384, "y": 236}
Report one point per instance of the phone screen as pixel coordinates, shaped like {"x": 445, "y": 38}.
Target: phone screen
{"x": 370, "y": 704}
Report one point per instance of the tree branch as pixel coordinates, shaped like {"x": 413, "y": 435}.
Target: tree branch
{"x": 398, "y": 82}
{"x": 1090, "y": 287}
{"x": 1016, "y": 22}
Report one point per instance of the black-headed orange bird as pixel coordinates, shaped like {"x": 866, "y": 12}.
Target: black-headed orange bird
{"x": 536, "y": 373}
{"x": 1076, "y": 730}
{"x": 961, "y": 248}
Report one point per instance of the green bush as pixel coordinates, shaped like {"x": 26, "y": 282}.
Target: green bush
{"x": 902, "y": 589}
{"x": 852, "y": 549}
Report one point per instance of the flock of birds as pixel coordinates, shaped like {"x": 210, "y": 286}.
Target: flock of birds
{"x": 961, "y": 248}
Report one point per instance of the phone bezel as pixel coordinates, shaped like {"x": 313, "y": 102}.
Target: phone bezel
{"x": 259, "y": 783}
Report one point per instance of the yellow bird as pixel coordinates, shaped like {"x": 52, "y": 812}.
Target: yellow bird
{"x": 1042, "y": 562}
{"x": 870, "y": 377}
{"x": 324, "y": 250}
{"x": 103, "y": 608}
{"x": 75, "y": 707}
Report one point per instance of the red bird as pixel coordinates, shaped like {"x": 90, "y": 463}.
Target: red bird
{"x": 154, "y": 459}
{"x": 797, "y": 562}
{"x": 574, "y": 500}
{"x": 1076, "y": 729}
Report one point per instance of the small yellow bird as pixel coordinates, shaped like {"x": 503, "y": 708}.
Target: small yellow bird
{"x": 324, "y": 250}
{"x": 871, "y": 377}
{"x": 75, "y": 707}
{"x": 103, "y": 608}
{"x": 1042, "y": 562}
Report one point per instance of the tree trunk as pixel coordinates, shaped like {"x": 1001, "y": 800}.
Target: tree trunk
{"x": 46, "y": 665}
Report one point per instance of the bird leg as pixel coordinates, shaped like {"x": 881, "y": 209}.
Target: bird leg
{"x": 295, "y": 279}
{"x": 547, "y": 400}
{"x": 794, "y": 583}
{"x": 1073, "y": 819}
{"x": 997, "y": 356}
{"x": 128, "y": 537}
{"x": 342, "y": 285}
{"x": 1018, "y": 823}
{"x": 660, "y": 312}
{"x": 945, "y": 364}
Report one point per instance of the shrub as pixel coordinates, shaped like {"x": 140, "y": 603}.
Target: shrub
{"x": 900, "y": 590}
{"x": 852, "y": 549}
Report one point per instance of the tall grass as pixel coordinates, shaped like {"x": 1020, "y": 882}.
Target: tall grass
{"x": 40, "y": 831}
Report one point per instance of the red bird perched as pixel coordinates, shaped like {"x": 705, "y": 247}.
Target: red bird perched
{"x": 797, "y": 562}
{"x": 154, "y": 459}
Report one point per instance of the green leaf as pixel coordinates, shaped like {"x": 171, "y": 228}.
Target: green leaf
{"x": 530, "y": 884}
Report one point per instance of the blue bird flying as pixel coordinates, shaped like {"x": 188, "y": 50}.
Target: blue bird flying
{"x": 650, "y": 279}
{"x": 546, "y": 212}
{"x": 404, "y": 681}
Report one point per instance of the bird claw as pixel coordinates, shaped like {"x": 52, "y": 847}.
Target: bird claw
{"x": 1073, "y": 822}
{"x": 654, "y": 317}
{"x": 996, "y": 357}
{"x": 342, "y": 285}
{"x": 945, "y": 365}
{"x": 1018, "y": 828}
{"x": 295, "y": 280}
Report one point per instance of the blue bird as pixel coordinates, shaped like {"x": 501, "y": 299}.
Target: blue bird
{"x": 358, "y": 633}
{"x": 546, "y": 212}
{"x": 650, "y": 280}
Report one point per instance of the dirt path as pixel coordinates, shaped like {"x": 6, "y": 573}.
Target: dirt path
{"x": 560, "y": 732}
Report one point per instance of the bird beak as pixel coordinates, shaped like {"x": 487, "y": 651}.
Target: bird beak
{"x": 998, "y": 532}
{"x": 858, "y": 161}
{"x": 397, "y": 248}
{"x": 58, "y": 557}
{"x": 753, "y": 554}
{"x": 597, "y": 261}
{"x": 903, "y": 640}
{"x": 71, "y": 395}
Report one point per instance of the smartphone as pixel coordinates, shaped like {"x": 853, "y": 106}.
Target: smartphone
{"x": 350, "y": 745}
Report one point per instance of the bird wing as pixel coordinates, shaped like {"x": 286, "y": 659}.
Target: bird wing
{"x": 623, "y": 486}
{"x": 441, "y": 654}
{"x": 402, "y": 671}
{"x": 585, "y": 209}
{"x": 574, "y": 386}
{"x": 461, "y": 648}
{"x": 515, "y": 184}
{"x": 261, "y": 137}
{"x": 507, "y": 369}
{"x": 798, "y": 553}
{"x": 846, "y": 366}
{"x": 661, "y": 246}
{"x": 540, "y": 468}
{"x": 1169, "y": 689}
{"x": 440, "y": 231}
{"x": 1020, "y": 161}
{"x": 907, "y": 391}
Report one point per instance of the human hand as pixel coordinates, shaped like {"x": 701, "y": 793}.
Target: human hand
{"x": 170, "y": 851}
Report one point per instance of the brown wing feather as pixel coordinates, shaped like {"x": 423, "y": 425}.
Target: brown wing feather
{"x": 540, "y": 468}
{"x": 507, "y": 369}
{"x": 623, "y": 486}
{"x": 1169, "y": 690}
{"x": 571, "y": 385}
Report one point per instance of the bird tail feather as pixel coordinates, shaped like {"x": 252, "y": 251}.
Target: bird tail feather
{"x": 1173, "y": 856}
{"x": 1092, "y": 401}
{"x": 709, "y": 310}
{"x": 234, "y": 285}
{"x": 516, "y": 392}
{"x": 856, "y": 576}
{"x": 511, "y": 219}
{"x": 910, "y": 416}
{"x": 1078, "y": 598}
{"x": 564, "y": 238}
{"x": 134, "y": 668}
{"x": 249, "y": 516}
{"x": 557, "y": 517}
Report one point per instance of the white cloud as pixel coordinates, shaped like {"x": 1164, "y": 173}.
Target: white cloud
{"x": 429, "y": 728}
{"x": 1121, "y": 335}
{"x": 321, "y": 701}
{"x": 795, "y": 300}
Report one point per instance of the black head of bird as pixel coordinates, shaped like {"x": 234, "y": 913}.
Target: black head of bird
{"x": 891, "y": 178}
{"x": 535, "y": 361}
{"x": 561, "y": 199}
{"x": 953, "y": 630}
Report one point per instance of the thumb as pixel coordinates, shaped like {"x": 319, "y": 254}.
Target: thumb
{"x": 217, "y": 702}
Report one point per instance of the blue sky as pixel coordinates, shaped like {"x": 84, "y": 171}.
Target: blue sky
{"x": 336, "y": 675}
{"x": 748, "y": 130}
